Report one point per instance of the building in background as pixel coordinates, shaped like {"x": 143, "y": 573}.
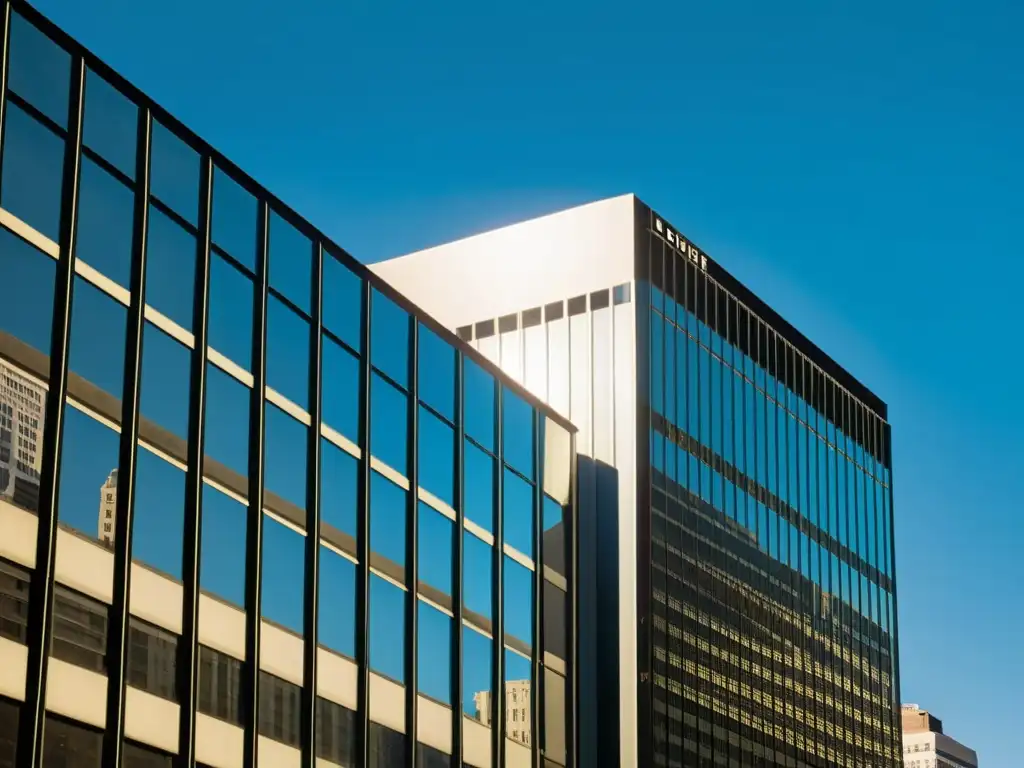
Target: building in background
{"x": 325, "y": 524}
{"x": 926, "y": 746}
{"x": 737, "y": 591}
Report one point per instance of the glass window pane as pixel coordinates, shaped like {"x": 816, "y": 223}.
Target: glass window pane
{"x": 98, "y": 327}
{"x": 39, "y": 70}
{"x": 230, "y": 313}
{"x": 65, "y": 744}
{"x": 234, "y": 220}
{"x": 476, "y": 675}
{"x": 553, "y": 545}
{"x": 518, "y": 603}
{"x": 339, "y": 483}
{"x": 110, "y": 124}
{"x": 159, "y": 518}
{"x": 170, "y": 268}
{"x": 437, "y": 457}
{"x": 27, "y": 313}
{"x": 555, "y": 626}
{"x": 106, "y": 214}
{"x": 88, "y": 476}
{"x": 174, "y": 173}
{"x": 341, "y": 371}
{"x": 285, "y": 464}
{"x": 518, "y": 704}
{"x": 477, "y": 579}
{"x": 283, "y": 591}
{"x": 478, "y": 403}
{"x": 290, "y": 262}
{"x": 436, "y": 373}
{"x": 387, "y": 748}
{"x": 227, "y": 428}
{"x": 478, "y": 487}
{"x": 387, "y": 526}
{"x": 335, "y": 733}
{"x": 435, "y": 552}
{"x": 165, "y": 389}
{"x": 518, "y": 433}
{"x": 389, "y": 343}
{"x": 336, "y": 619}
{"x": 222, "y": 570}
{"x": 33, "y": 167}
{"x": 435, "y": 654}
{"x": 554, "y": 717}
{"x": 343, "y": 302}
{"x": 389, "y": 424}
{"x": 387, "y": 629}
{"x": 518, "y": 513}
{"x": 22, "y": 411}
{"x": 288, "y": 343}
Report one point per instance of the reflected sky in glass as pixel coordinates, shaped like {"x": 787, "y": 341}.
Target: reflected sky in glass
{"x": 338, "y": 488}
{"x": 174, "y": 173}
{"x": 518, "y": 599}
{"x": 159, "y": 518}
{"x": 435, "y": 548}
{"x": 343, "y": 301}
{"x": 387, "y": 519}
{"x": 222, "y": 570}
{"x": 436, "y": 373}
{"x": 476, "y": 669}
{"x": 518, "y": 433}
{"x": 87, "y": 460}
{"x": 227, "y": 420}
{"x": 27, "y": 314}
{"x": 389, "y": 341}
{"x": 39, "y": 70}
{"x": 436, "y": 456}
{"x": 478, "y": 486}
{"x": 518, "y": 513}
{"x": 477, "y": 580}
{"x": 434, "y": 653}
{"x": 387, "y": 629}
{"x": 336, "y": 616}
{"x": 340, "y": 406}
{"x": 283, "y": 589}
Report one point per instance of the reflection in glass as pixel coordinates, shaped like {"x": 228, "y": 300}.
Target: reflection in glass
{"x": 88, "y": 476}
{"x": 343, "y": 302}
{"x": 227, "y": 424}
{"x": 436, "y": 373}
{"x": 518, "y": 704}
{"x": 288, "y": 344}
{"x": 39, "y": 70}
{"x": 389, "y": 424}
{"x": 336, "y": 620}
{"x": 477, "y": 581}
{"x": 222, "y": 570}
{"x": 174, "y": 173}
{"x": 283, "y": 590}
{"x": 165, "y": 386}
{"x": 340, "y": 408}
{"x": 436, "y": 457}
{"x": 27, "y": 313}
{"x": 387, "y": 523}
{"x": 338, "y": 488}
{"x": 518, "y": 602}
{"x": 435, "y": 653}
{"x": 335, "y": 732}
{"x": 285, "y": 462}
{"x": 106, "y": 212}
{"x": 110, "y": 124}
{"x": 170, "y": 268}
{"x": 22, "y": 415}
{"x": 389, "y": 342}
{"x": 518, "y": 513}
{"x": 553, "y": 543}
{"x": 230, "y": 312}
{"x": 158, "y": 523}
{"x": 478, "y": 403}
{"x": 517, "y": 433}
{"x": 555, "y": 624}
{"x": 290, "y": 262}
{"x": 435, "y": 549}
{"x": 554, "y": 717}
{"x": 387, "y": 629}
{"x": 234, "y": 220}
{"x": 33, "y": 167}
{"x": 98, "y": 327}
{"x": 478, "y": 487}
{"x": 476, "y": 675}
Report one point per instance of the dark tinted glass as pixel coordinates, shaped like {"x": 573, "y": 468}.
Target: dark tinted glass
{"x": 70, "y": 746}
{"x": 389, "y": 342}
{"x": 436, "y": 373}
{"x": 220, "y": 682}
{"x": 387, "y": 748}
{"x": 40, "y": 70}
{"x": 222, "y": 570}
{"x": 290, "y": 262}
{"x": 335, "y": 733}
{"x": 230, "y": 314}
{"x": 33, "y": 168}
{"x": 343, "y": 302}
{"x": 159, "y": 521}
{"x": 110, "y": 124}
{"x": 152, "y": 659}
{"x": 8, "y": 733}
{"x": 234, "y": 220}
{"x": 280, "y": 710}
{"x": 479, "y": 403}
{"x": 105, "y": 219}
{"x": 138, "y": 756}
{"x": 79, "y": 630}
{"x": 336, "y": 617}
{"x": 174, "y": 173}
{"x": 283, "y": 593}
{"x": 554, "y": 626}
{"x": 428, "y": 757}
{"x": 14, "y": 583}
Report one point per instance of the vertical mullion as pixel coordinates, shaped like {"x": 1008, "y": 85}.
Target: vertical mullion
{"x": 5, "y": 49}
{"x": 32, "y": 720}
{"x": 572, "y": 677}
{"x": 457, "y": 660}
{"x": 188, "y": 648}
{"x": 536, "y": 701}
{"x": 411, "y": 544}
{"x": 117, "y": 631}
{"x": 498, "y": 609}
{"x": 254, "y": 531}
{"x": 311, "y": 574}
{"x": 362, "y": 740}
{"x": 894, "y": 656}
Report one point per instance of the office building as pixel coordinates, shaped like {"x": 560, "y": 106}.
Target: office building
{"x": 926, "y": 746}
{"x": 258, "y": 509}
{"x": 737, "y": 591}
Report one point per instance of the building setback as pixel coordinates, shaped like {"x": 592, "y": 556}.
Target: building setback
{"x": 737, "y": 590}
{"x": 925, "y": 745}
{"x": 256, "y": 509}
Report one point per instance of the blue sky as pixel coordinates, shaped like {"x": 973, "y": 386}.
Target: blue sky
{"x": 857, "y": 165}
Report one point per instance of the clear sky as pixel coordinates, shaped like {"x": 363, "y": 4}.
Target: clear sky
{"x": 857, "y": 164}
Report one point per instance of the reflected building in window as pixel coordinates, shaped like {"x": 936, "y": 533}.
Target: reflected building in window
{"x": 255, "y": 507}
{"x": 737, "y": 588}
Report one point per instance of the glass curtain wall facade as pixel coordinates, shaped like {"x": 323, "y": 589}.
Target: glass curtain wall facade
{"x": 769, "y": 580}
{"x": 254, "y": 508}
